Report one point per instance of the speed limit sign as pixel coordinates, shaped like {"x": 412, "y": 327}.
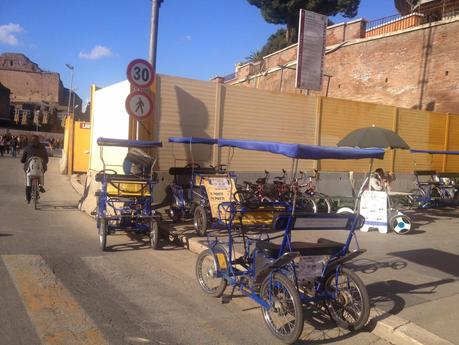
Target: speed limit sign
{"x": 140, "y": 73}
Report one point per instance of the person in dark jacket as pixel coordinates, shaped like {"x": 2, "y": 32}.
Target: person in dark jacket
{"x": 34, "y": 148}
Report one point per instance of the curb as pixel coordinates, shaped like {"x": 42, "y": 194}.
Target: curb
{"x": 386, "y": 326}
{"x": 79, "y": 188}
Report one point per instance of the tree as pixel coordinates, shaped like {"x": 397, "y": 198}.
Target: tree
{"x": 287, "y": 11}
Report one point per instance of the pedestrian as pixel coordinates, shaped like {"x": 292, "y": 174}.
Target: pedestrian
{"x": 2, "y": 145}
{"x": 14, "y": 146}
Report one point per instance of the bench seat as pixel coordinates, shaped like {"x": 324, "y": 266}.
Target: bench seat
{"x": 322, "y": 247}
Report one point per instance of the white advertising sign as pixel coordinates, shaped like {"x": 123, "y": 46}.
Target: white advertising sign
{"x": 373, "y": 206}
{"x": 311, "y": 50}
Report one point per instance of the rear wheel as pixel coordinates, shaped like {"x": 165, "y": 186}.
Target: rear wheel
{"x": 206, "y": 273}
{"x": 324, "y": 205}
{"x": 200, "y": 220}
{"x": 154, "y": 234}
{"x": 103, "y": 230}
{"x": 306, "y": 204}
{"x": 284, "y": 317}
{"x": 350, "y": 305}
{"x": 34, "y": 193}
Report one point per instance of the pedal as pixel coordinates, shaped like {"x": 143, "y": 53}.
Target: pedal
{"x": 93, "y": 213}
{"x": 225, "y": 299}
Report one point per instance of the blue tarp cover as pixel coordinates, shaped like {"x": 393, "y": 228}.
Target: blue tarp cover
{"x": 436, "y": 152}
{"x": 193, "y": 140}
{"x": 128, "y": 143}
{"x": 302, "y": 151}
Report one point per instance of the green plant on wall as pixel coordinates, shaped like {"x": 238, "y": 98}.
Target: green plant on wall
{"x": 287, "y": 12}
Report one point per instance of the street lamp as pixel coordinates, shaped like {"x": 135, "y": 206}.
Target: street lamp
{"x": 70, "y": 67}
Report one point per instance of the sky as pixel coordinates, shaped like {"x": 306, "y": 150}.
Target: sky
{"x": 197, "y": 39}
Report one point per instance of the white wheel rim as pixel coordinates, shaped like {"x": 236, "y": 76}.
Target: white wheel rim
{"x": 401, "y": 225}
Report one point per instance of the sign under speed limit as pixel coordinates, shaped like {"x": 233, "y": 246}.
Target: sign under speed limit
{"x": 140, "y": 73}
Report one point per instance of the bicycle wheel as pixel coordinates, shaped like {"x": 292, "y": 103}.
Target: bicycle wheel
{"x": 324, "y": 205}
{"x": 306, "y": 204}
{"x": 206, "y": 271}
{"x": 200, "y": 220}
{"x": 103, "y": 229}
{"x": 154, "y": 234}
{"x": 284, "y": 318}
{"x": 34, "y": 193}
{"x": 350, "y": 307}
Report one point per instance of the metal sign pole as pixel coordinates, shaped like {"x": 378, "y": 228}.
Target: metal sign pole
{"x": 153, "y": 44}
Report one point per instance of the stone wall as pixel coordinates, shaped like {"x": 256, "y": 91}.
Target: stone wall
{"x": 414, "y": 68}
{"x": 33, "y": 86}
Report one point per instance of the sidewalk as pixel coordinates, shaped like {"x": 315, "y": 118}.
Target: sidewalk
{"x": 412, "y": 280}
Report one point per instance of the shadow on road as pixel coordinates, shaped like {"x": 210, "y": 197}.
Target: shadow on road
{"x": 56, "y": 206}
{"x": 434, "y": 258}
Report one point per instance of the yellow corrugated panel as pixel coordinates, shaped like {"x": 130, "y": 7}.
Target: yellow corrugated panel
{"x": 270, "y": 116}
{"x": 422, "y": 130}
{"x": 185, "y": 107}
{"x": 340, "y": 117}
{"x": 453, "y": 144}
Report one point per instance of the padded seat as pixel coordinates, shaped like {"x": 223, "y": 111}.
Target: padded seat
{"x": 120, "y": 177}
{"x": 322, "y": 247}
{"x": 188, "y": 171}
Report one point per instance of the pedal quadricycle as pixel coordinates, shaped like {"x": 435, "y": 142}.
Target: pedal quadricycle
{"x": 124, "y": 201}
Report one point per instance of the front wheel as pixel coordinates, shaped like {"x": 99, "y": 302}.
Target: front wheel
{"x": 200, "y": 220}
{"x": 103, "y": 230}
{"x": 348, "y": 303}
{"x": 284, "y": 317}
{"x": 154, "y": 234}
{"x": 206, "y": 273}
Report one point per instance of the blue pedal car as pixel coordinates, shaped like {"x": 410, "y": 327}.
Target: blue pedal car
{"x": 124, "y": 201}
{"x": 281, "y": 274}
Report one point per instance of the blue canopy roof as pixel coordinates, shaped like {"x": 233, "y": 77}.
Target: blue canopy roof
{"x": 302, "y": 151}
{"x": 436, "y": 152}
{"x": 193, "y": 140}
{"x": 128, "y": 143}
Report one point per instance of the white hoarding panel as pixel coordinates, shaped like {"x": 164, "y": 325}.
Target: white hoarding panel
{"x": 311, "y": 50}
{"x": 110, "y": 120}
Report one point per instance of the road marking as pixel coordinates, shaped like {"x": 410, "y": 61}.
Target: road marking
{"x": 56, "y": 315}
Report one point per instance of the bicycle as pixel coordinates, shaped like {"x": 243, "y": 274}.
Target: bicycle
{"x": 34, "y": 176}
{"x": 323, "y": 201}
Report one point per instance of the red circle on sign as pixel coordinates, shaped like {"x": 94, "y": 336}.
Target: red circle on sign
{"x": 136, "y": 109}
{"x": 140, "y": 73}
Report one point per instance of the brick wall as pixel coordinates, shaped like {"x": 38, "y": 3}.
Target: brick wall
{"x": 416, "y": 68}
{"x": 32, "y": 86}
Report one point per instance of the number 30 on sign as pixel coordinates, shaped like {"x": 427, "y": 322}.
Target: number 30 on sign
{"x": 140, "y": 73}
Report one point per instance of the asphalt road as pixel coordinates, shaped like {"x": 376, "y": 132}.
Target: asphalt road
{"x": 57, "y": 287}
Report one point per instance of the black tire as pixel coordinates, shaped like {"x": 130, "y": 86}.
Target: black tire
{"x": 400, "y": 224}
{"x": 103, "y": 230}
{"x": 306, "y": 204}
{"x": 324, "y": 205}
{"x": 205, "y": 270}
{"x": 200, "y": 220}
{"x": 154, "y": 234}
{"x": 351, "y": 307}
{"x": 175, "y": 214}
{"x": 34, "y": 193}
{"x": 281, "y": 294}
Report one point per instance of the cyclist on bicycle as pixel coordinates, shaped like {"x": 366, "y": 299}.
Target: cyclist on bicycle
{"x": 34, "y": 148}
